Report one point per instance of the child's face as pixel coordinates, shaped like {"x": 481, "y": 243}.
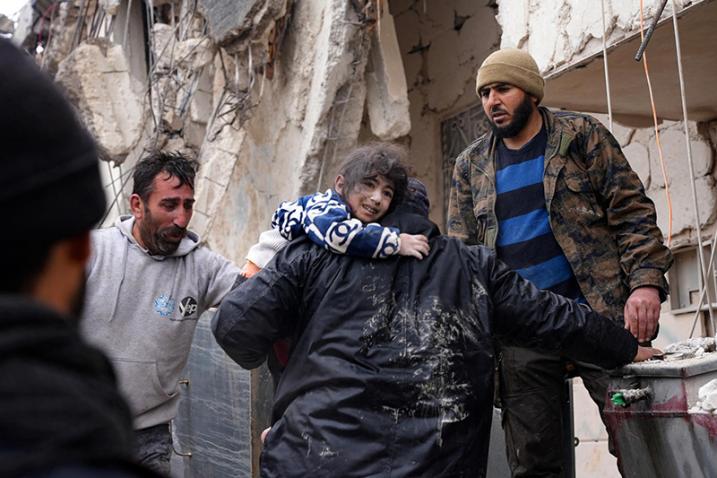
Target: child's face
{"x": 370, "y": 199}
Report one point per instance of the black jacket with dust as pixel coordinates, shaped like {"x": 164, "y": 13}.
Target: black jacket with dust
{"x": 391, "y": 373}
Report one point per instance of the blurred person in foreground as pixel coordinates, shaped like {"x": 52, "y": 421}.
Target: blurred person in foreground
{"x": 61, "y": 414}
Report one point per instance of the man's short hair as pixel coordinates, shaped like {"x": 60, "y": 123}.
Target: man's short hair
{"x": 174, "y": 164}
{"x": 373, "y": 159}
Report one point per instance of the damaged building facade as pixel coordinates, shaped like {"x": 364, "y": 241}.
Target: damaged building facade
{"x": 269, "y": 95}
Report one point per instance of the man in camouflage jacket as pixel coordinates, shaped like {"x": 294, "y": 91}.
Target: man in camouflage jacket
{"x": 600, "y": 218}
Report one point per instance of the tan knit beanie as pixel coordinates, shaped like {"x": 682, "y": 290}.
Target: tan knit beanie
{"x": 514, "y": 67}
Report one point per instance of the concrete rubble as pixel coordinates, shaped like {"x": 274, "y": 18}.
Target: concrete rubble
{"x": 708, "y": 397}
{"x": 694, "y": 347}
{"x": 96, "y": 77}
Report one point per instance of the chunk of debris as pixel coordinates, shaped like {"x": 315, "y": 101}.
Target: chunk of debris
{"x": 7, "y": 26}
{"x": 97, "y": 80}
{"x": 231, "y": 20}
{"x": 694, "y": 347}
{"x": 707, "y": 396}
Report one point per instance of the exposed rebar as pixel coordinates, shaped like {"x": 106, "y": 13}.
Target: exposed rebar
{"x": 690, "y": 162}
{"x": 650, "y": 30}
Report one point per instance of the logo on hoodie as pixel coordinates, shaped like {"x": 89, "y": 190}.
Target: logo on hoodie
{"x": 188, "y": 307}
{"x": 164, "y": 305}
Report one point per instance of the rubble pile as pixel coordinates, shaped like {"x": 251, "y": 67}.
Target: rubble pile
{"x": 694, "y": 347}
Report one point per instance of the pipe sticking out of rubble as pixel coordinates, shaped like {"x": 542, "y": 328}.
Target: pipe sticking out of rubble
{"x": 650, "y": 31}
{"x": 626, "y": 397}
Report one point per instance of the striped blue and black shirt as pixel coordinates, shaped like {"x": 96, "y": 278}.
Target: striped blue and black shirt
{"x": 525, "y": 240}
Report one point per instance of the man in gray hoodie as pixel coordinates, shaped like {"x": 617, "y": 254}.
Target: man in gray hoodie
{"x": 148, "y": 281}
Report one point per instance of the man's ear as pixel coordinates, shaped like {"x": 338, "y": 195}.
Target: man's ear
{"x": 136, "y": 205}
{"x": 339, "y": 184}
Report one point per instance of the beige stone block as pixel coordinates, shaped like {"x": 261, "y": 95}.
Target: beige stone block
{"x": 683, "y": 211}
{"x": 97, "y": 78}
{"x": 674, "y": 152}
{"x": 446, "y": 74}
{"x": 386, "y": 94}
{"x": 622, "y": 134}
{"x": 636, "y": 155}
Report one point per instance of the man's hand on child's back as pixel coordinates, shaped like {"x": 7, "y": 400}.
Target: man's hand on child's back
{"x": 415, "y": 245}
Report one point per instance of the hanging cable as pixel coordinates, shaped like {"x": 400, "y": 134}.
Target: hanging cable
{"x": 607, "y": 72}
{"x": 657, "y": 131}
{"x": 698, "y": 227}
{"x": 703, "y": 291}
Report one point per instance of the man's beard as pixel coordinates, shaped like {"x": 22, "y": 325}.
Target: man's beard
{"x": 156, "y": 240}
{"x": 521, "y": 115}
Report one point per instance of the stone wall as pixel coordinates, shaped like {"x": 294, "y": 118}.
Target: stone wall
{"x": 640, "y": 148}
{"x": 442, "y": 44}
{"x": 562, "y": 32}
{"x": 308, "y": 116}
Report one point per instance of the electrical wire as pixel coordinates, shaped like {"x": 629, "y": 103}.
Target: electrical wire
{"x": 703, "y": 270}
{"x": 607, "y": 71}
{"x": 657, "y": 131}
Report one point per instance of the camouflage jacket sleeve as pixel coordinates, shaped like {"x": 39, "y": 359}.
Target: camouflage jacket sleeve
{"x": 461, "y": 220}
{"x": 629, "y": 212}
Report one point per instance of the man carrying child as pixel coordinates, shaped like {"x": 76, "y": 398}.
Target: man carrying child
{"x": 391, "y": 368}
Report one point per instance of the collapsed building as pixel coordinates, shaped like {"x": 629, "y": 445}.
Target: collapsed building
{"x": 269, "y": 95}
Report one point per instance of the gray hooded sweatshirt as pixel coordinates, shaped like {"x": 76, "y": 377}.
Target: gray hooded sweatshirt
{"x": 142, "y": 311}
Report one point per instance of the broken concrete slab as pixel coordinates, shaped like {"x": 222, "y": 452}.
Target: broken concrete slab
{"x": 386, "y": 92}
{"x": 96, "y": 77}
{"x": 638, "y": 158}
{"x": 229, "y": 18}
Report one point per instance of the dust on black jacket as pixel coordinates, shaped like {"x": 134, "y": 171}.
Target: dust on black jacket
{"x": 391, "y": 372}
{"x": 60, "y": 411}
